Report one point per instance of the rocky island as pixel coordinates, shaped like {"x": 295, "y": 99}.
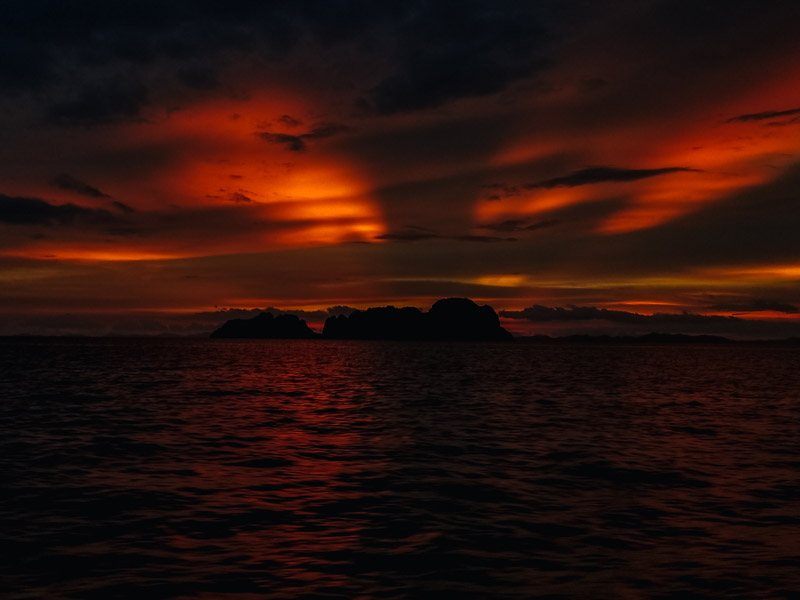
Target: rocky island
{"x": 450, "y": 319}
{"x": 456, "y": 319}
{"x": 266, "y": 326}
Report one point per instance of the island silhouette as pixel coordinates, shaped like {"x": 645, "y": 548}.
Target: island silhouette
{"x": 449, "y": 319}
{"x": 266, "y": 326}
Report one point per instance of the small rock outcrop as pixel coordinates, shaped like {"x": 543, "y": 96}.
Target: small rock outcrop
{"x": 266, "y": 326}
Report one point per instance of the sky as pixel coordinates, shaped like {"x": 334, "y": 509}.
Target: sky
{"x": 583, "y": 167}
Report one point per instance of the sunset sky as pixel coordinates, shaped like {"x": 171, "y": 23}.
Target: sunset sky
{"x": 616, "y": 167}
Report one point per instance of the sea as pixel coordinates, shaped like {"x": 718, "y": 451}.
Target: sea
{"x": 361, "y": 470}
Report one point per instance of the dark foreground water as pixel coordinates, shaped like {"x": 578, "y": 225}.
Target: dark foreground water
{"x": 357, "y": 470}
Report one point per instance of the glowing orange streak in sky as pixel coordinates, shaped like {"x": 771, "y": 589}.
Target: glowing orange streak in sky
{"x": 311, "y": 185}
{"x": 730, "y": 155}
{"x": 213, "y": 157}
{"x": 784, "y": 271}
{"x": 733, "y": 155}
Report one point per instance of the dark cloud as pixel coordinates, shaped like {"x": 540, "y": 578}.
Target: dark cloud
{"x": 34, "y": 211}
{"x": 99, "y": 104}
{"x": 766, "y": 115}
{"x": 297, "y": 143}
{"x": 451, "y": 50}
{"x": 59, "y": 47}
{"x": 755, "y": 226}
{"x": 340, "y": 21}
{"x": 786, "y": 123}
{"x": 237, "y": 197}
{"x": 432, "y": 168}
{"x": 293, "y": 143}
{"x": 122, "y": 207}
{"x": 146, "y": 323}
{"x": 326, "y": 130}
{"x": 335, "y": 311}
{"x": 238, "y": 220}
{"x": 124, "y": 231}
{"x": 755, "y": 305}
{"x": 594, "y": 175}
{"x": 593, "y": 84}
{"x": 498, "y": 191}
{"x": 70, "y": 183}
{"x": 482, "y": 238}
{"x": 174, "y": 223}
{"x": 198, "y": 78}
{"x": 408, "y": 236}
{"x": 26, "y": 64}
{"x": 519, "y": 225}
{"x": 420, "y": 234}
{"x": 290, "y": 121}
{"x": 412, "y": 55}
{"x": 224, "y": 314}
{"x": 538, "y": 313}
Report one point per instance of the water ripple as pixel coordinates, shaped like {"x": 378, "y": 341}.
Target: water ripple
{"x": 316, "y": 469}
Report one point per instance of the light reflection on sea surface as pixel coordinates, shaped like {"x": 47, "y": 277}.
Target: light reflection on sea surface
{"x": 319, "y": 469}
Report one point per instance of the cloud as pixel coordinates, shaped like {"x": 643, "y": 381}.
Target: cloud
{"x": 26, "y": 64}
{"x": 753, "y": 226}
{"x": 98, "y": 104}
{"x": 449, "y": 51}
{"x": 290, "y": 121}
{"x": 519, "y": 225}
{"x": 148, "y": 323}
{"x": 419, "y": 234}
{"x": 294, "y": 143}
{"x": 219, "y": 316}
{"x": 122, "y": 207}
{"x": 783, "y": 123}
{"x": 326, "y": 130}
{"x": 755, "y": 305}
{"x": 70, "y": 183}
{"x": 339, "y": 309}
{"x": 482, "y": 238}
{"x": 538, "y": 314}
{"x": 498, "y": 191}
{"x": 198, "y": 78}
{"x": 763, "y": 116}
{"x": 34, "y": 211}
{"x": 237, "y": 197}
{"x": 594, "y": 175}
{"x": 408, "y": 236}
{"x": 297, "y": 143}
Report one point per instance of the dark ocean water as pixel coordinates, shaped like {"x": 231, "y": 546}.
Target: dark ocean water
{"x": 363, "y": 470}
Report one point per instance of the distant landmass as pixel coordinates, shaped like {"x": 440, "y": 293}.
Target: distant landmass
{"x": 648, "y": 338}
{"x": 450, "y": 319}
{"x": 267, "y": 326}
